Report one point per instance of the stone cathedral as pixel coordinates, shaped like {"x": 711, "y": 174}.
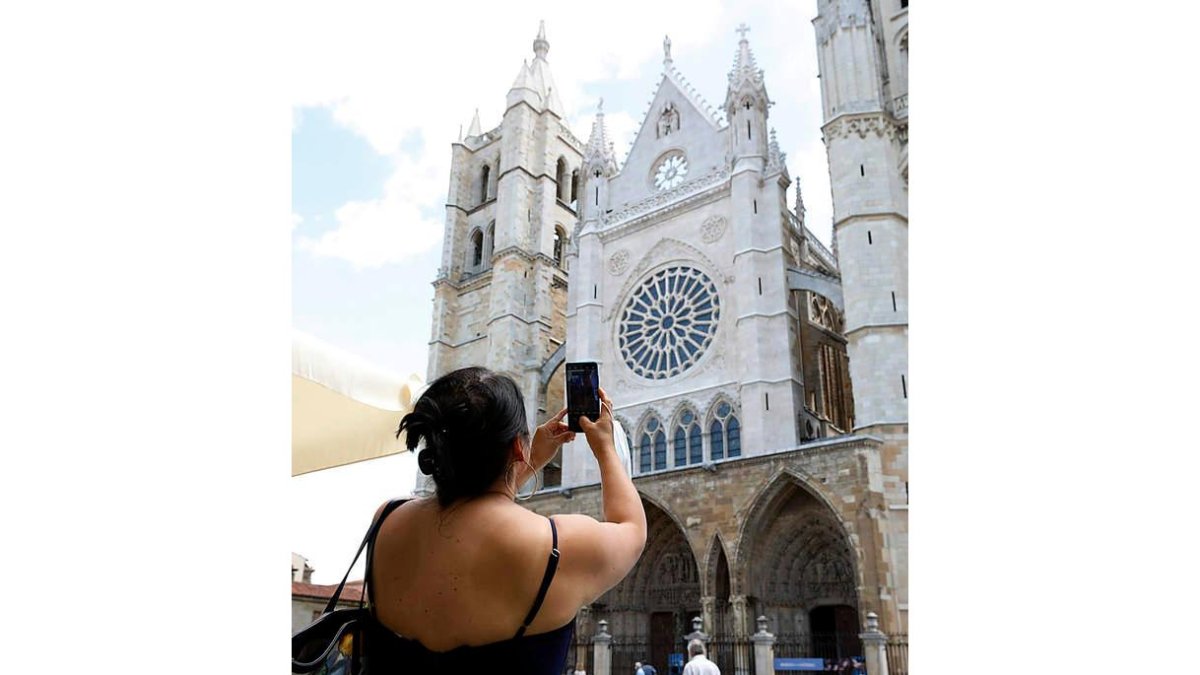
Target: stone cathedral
{"x": 761, "y": 377}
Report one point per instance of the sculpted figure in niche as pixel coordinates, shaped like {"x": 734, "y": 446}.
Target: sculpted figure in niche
{"x": 668, "y": 121}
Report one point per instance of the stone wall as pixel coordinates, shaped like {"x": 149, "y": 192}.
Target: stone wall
{"x": 727, "y": 510}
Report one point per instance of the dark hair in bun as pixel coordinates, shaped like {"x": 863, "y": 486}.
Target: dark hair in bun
{"x": 468, "y": 419}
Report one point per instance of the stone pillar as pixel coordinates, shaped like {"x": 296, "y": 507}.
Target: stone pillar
{"x": 741, "y": 660}
{"x": 602, "y": 644}
{"x": 738, "y": 603}
{"x": 707, "y": 605}
{"x": 875, "y": 646}
{"x": 583, "y": 625}
{"x": 764, "y": 649}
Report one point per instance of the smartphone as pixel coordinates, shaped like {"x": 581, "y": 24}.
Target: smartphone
{"x": 583, "y": 393}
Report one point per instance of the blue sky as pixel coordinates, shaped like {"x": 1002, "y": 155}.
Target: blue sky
{"x": 372, "y": 122}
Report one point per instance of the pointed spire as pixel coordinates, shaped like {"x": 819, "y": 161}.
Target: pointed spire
{"x": 540, "y": 44}
{"x": 800, "y": 208}
{"x": 474, "y": 130}
{"x": 744, "y": 66}
{"x": 745, "y": 78}
{"x": 599, "y": 151}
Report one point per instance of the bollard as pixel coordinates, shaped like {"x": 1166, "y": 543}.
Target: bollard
{"x": 602, "y": 646}
{"x": 875, "y": 646}
{"x": 764, "y": 649}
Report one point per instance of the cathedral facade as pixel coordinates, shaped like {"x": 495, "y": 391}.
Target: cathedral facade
{"x": 761, "y": 377}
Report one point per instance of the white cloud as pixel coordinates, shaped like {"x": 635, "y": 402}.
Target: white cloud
{"x": 296, "y": 220}
{"x": 390, "y": 229}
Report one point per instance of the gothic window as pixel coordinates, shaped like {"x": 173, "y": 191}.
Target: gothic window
{"x": 574, "y": 187}
{"x": 653, "y": 439}
{"x": 560, "y": 237}
{"x": 483, "y": 183}
{"x": 725, "y": 436}
{"x": 669, "y": 322}
{"x": 476, "y": 249}
{"x": 560, "y": 177}
{"x": 689, "y": 448}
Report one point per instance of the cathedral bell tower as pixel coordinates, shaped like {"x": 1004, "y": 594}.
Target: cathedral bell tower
{"x": 500, "y": 294}
{"x": 865, "y": 142}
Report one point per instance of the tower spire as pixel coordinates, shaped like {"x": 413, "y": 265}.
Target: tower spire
{"x": 540, "y": 44}
{"x": 599, "y": 155}
{"x": 745, "y": 78}
{"x": 474, "y": 130}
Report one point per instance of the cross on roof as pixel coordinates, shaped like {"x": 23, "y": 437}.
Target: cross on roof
{"x": 743, "y": 29}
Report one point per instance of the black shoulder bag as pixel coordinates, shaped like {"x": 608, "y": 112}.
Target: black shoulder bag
{"x": 333, "y": 644}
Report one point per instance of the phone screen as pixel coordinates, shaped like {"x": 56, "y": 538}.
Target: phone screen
{"x": 583, "y": 393}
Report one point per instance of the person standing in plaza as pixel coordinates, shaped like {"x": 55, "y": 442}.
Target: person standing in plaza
{"x": 699, "y": 663}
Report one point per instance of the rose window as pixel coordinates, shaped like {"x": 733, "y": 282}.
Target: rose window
{"x": 669, "y": 322}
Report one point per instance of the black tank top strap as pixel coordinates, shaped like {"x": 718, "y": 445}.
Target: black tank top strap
{"x": 551, "y": 568}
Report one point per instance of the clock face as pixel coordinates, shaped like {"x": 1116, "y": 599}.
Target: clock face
{"x": 669, "y": 322}
{"x": 670, "y": 172}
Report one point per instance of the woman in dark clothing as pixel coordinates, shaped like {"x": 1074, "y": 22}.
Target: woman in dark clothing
{"x": 470, "y": 581}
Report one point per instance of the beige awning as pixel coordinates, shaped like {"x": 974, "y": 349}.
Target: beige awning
{"x": 344, "y": 409}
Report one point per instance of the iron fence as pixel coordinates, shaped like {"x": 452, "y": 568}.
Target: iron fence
{"x": 628, "y": 650}
{"x": 733, "y": 656}
{"x": 897, "y": 654}
{"x": 582, "y": 656}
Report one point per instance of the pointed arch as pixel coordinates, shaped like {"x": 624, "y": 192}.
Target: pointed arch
{"x": 667, "y": 569}
{"x": 781, "y": 489}
{"x": 560, "y": 179}
{"x": 687, "y": 438}
{"x": 651, "y": 443}
{"x": 560, "y": 242}
{"x": 716, "y": 564}
{"x": 474, "y": 260}
{"x": 484, "y": 183}
{"x": 722, "y": 429}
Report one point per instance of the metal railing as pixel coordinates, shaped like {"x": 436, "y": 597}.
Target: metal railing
{"x": 733, "y": 656}
{"x": 897, "y": 654}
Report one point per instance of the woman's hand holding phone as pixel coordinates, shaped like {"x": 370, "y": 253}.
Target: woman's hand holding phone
{"x": 548, "y": 438}
{"x": 600, "y": 432}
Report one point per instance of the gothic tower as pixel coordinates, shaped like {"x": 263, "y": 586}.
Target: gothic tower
{"x": 500, "y": 294}
{"x": 862, "y": 50}
{"x": 865, "y": 131}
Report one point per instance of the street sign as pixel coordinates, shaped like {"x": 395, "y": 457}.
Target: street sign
{"x": 799, "y": 664}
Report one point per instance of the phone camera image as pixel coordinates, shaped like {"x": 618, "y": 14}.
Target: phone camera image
{"x": 583, "y": 393}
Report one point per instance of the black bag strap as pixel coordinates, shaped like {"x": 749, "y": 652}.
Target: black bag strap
{"x": 551, "y": 568}
{"x": 370, "y": 536}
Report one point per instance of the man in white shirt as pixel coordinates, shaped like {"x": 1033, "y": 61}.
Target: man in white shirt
{"x": 699, "y": 663}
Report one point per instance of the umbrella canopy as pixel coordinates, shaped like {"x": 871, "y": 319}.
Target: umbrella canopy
{"x": 344, "y": 409}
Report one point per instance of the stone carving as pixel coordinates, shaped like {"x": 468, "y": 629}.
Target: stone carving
{"x": 861, "y": 126}
{"x": 668, "y": 121}
{"x": 712, "y": 229}
{"x": 675, "y": 580}
{"x": 828, "y": 575}
{"x": 618, "y": 263}
{"x": 667, "y": 196}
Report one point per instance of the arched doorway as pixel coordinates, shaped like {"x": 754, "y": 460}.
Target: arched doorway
{"x": 651, "y": 610}
{"x": 801, "y": 573}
